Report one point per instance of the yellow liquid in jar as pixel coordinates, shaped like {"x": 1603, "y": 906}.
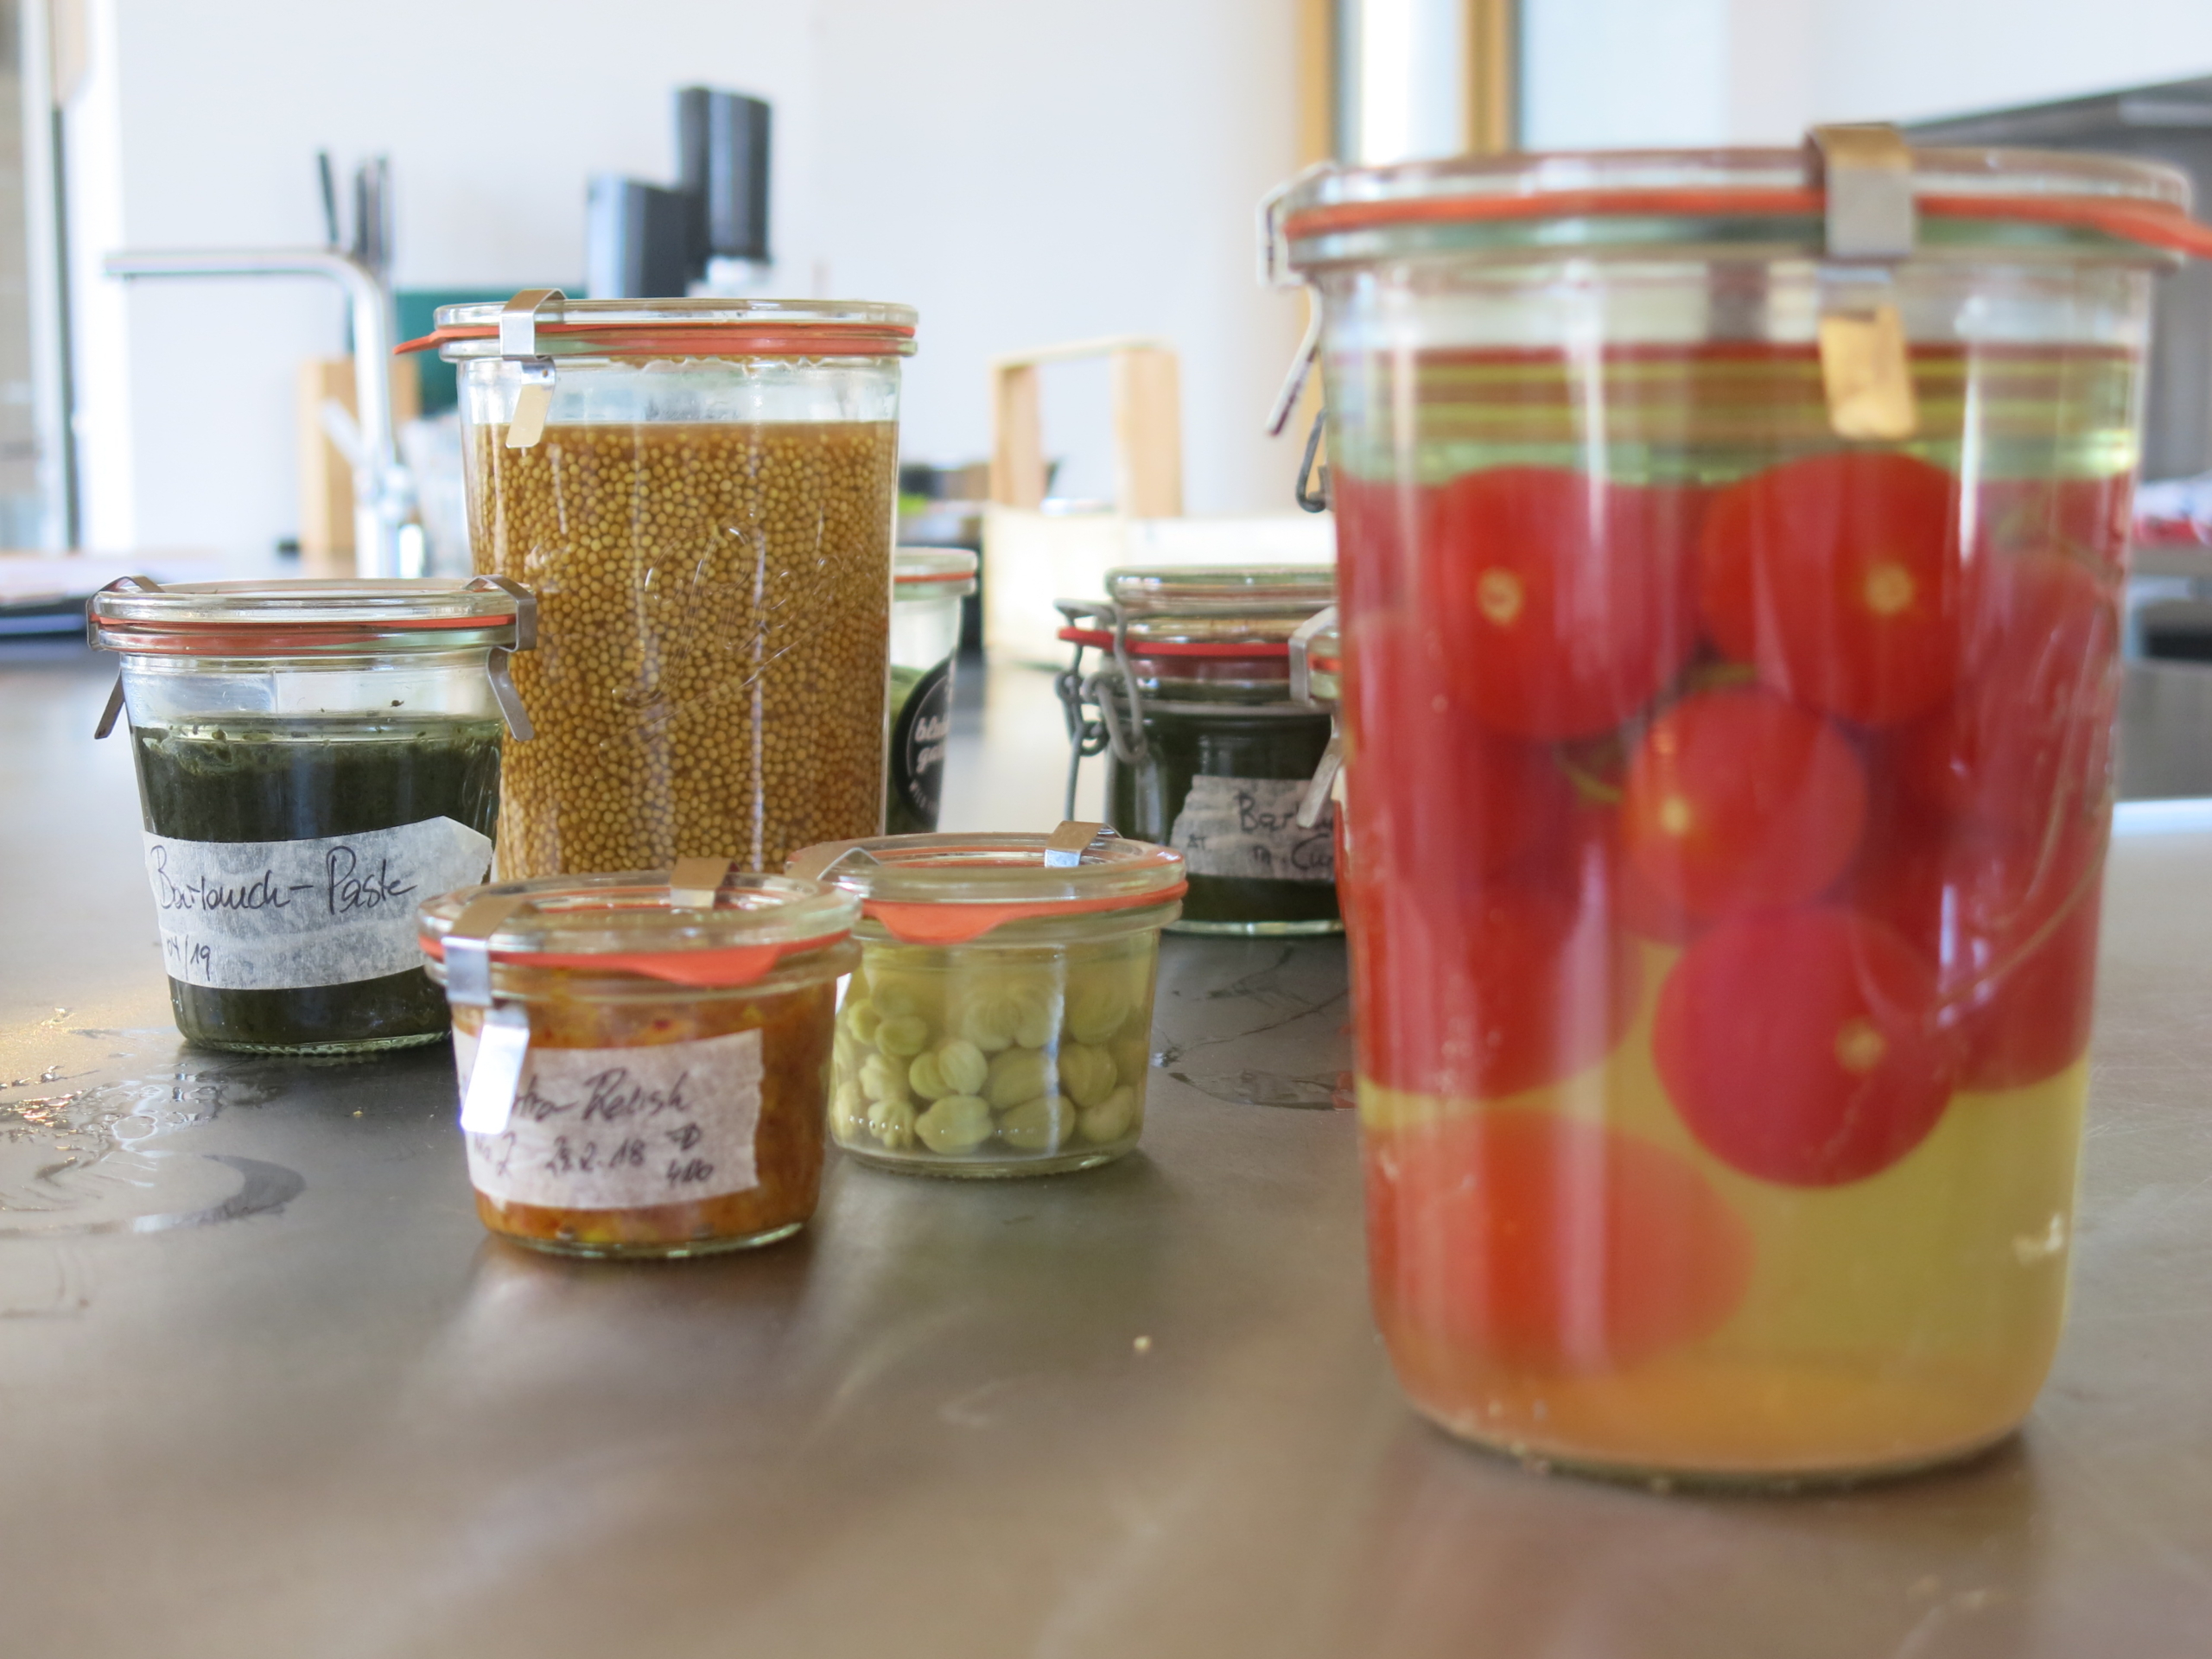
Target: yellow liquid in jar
{"x": 1900, "y": 1320}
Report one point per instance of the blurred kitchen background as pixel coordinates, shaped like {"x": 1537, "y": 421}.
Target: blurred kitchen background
{"x": 1025, "y": 172}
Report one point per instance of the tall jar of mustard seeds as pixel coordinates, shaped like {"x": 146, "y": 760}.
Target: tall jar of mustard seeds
{"x": 702, "y": 494}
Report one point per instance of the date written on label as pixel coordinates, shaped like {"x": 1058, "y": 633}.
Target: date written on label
{"x": 633, "y": 1142}
{"x": 597, "y": 1129}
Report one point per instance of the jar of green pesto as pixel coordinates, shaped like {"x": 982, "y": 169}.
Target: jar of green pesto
{"x": 315, "y": 759}
{"x": 927, "y": 584}
{"x": 1208, "y": 751}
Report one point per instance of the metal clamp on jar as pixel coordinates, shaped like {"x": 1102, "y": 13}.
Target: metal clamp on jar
{"x": 1209, "y": 748}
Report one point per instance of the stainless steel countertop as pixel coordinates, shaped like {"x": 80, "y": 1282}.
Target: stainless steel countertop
{"x": 266, "y": 1389}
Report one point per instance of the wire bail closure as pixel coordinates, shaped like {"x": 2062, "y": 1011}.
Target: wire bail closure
{"x": 498, "y": 664}
{"x": 519, "y": 321}
{"x": 1119, "y": 724}
{"x": 487, "y": 1093}
{"x": 108, "y": 715}
{"x": 1871, "y": 224}
{"x": 1328, "y": 773}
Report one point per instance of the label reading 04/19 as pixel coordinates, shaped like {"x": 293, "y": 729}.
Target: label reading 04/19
{"x": 623, "y": 1128}
{"x": 1249, "y": 827}
{"x": 282, "y": 915}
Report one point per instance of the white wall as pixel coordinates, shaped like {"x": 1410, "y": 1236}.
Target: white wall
{"x": 1023, "y": 172}
{"x": 1696, "y": 71}
{"x": 1028, "y": 172}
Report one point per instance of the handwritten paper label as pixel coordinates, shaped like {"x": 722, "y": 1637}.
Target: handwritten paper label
{"x": 280, "y": 915}
{"x": 1249, "y": 827}
{"x": 623, "y": 1128}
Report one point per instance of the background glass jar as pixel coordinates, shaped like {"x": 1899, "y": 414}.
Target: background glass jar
{"x": 1000, "y": 1021}
{"x": 312, "y": 757}
{"x": 702, "y": 492}
{"x": 655, "y": 1051}
{"x": 1730, "y": 663}
{"x": 1207, "y": 750}
{"x": 928, "y": 584}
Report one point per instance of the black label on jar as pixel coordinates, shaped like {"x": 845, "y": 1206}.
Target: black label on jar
{"x": 919, "y": 728}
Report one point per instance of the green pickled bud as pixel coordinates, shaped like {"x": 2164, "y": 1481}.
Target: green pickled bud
{"x": 1111, "y": 1119}
{"x": 1087, "y": 1075}
{"x": 861, "y": 1019}
{"x": 892, "y": 998}
{"x": 956, "y": 1124}
{"x": 892, "y": 1122}
{"x": 988, "y": 1019}
{"x": 925, "y": 1077}
{"x": 1045, "y": 1124}
{"x": 1017, "y": 1075}
{"x": 1097, "y": 1006}
{"x": 904, "y": 1035}
{"x": 964, "y": 1066}
{"x": 883, "y": 1078}
{"x": 1037, "y": 1026}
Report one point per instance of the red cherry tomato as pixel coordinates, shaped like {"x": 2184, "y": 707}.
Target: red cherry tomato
{"x": 1802, "y": 1046}
{"x": 2083, "y": 516}
{"x": 1566, "y": 600}
{"x": 1738, "y": 798}
{"x": 1528, "y": 1239}
{"x": 2026, "y": 744}
{"x": 2012, "y": 930}
{"x": 1443, "y": 800}
{"x": 1484, "y": 993}
{"x": 1838, "y": 577}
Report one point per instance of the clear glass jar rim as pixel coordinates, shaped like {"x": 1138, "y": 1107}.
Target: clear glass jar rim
{"x": 933, "y": 572}
{"x": 692, "y": 313}
{"x": 368, "y": 602}
{"x": 1004, "y": 869}
{"x": 630, "y": 914}
{"x": 1995, "y": 174}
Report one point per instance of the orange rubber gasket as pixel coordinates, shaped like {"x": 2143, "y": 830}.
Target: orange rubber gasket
{"x": 928, "y": 924}
{"x": 2154, "y": 224}
{"x": 725, "y": 969}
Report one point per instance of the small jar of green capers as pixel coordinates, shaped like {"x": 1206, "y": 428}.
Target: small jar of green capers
{"x": 1000, "y": 1020}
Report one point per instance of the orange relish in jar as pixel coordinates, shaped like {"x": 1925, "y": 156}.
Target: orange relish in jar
{"x": 643, "y": 1058}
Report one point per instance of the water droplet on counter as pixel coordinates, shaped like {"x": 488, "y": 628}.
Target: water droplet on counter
{"x": 80, "y": 1161}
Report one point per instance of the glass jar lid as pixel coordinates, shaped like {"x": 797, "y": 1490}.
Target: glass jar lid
{"x": 1203, "y": 633}
{"x": 947, "y": 889}
{"x": 933, "y": 573}
{"x": 310, "y": 617}
{"x": 1978, "y": 199}
{"x": 701, "y": 925}
{"x": 688, "y": 327}
{"x": 1183, "y": 606}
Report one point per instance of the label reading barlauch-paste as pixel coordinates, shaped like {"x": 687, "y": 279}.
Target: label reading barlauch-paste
{"x": 282, "y": 915}
{"x": 623, "y": 1128}
{"x": 1249, "y": 827}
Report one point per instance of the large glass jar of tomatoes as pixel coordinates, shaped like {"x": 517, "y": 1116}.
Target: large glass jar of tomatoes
{"x": 1729, "y": 772}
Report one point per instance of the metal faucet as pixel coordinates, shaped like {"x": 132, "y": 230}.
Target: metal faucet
{"x": 384, "y": 494}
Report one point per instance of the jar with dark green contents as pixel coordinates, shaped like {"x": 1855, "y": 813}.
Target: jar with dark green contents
{"x": 927, "y": 584}
{"x": 315, "y": 759}
{"x": 1207, "y": 751}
